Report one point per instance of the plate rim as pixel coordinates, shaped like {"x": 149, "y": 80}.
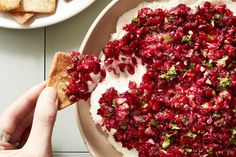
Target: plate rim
{"x": 41, "y": 25}
{"x": 82, "y": 47}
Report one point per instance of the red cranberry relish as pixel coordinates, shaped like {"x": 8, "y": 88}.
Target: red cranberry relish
{"x": 81, "y": 72}
{"x": 186, "y": 102}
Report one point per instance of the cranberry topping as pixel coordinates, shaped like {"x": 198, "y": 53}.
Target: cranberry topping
{"x": 186, "y": 102}
{"x": 85, "y": 73}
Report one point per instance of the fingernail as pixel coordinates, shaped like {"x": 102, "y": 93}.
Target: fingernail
{"x": 50, "y": 94}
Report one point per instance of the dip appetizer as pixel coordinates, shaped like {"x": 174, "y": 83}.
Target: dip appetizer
{"x": 166, "y": 82}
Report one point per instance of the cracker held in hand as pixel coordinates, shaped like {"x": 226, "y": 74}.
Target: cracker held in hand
{"x": 58, "y": 78}
{"x": 38, "y": 6}
{"x": 6, "y": 5}
{"x": 75, "y": 76}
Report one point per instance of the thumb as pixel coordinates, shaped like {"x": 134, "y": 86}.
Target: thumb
{"x": 43, "y": 122}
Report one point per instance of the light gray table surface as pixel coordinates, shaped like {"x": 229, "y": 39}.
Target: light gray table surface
{"x": 25, "y": 59}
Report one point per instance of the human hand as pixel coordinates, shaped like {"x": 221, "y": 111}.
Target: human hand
{"x": 36, "y": 108}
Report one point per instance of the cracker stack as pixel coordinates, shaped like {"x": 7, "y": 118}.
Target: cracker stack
{"x": 23, "y": 10}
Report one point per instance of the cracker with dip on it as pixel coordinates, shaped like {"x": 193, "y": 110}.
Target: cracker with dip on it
{"x": 74, "y": 76}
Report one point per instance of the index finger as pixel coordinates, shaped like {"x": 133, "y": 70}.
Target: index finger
{"x": 14, "y": 114}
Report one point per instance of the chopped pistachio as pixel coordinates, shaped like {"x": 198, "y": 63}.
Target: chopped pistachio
{"x": 234, "y": 110}
{"x": 216, "y": 115}
{"x": 123, "y": 126}
{"x": 143, "y": 105}
{"x": 166, "y": 142}
{"x": 171, "y": 72}
{"x": 152, "y": 28}
{"x": 213, "y": 22}
{"x": 113, "y": 103}
{"x": 210, "y": 151}
{"x": 211, "y": 37}
{"x": 222, "y": 62}
{"x": 153, "y": 122}
{"x": 224, "y": 82}
{"x": 189, "y": 150}
{"x": 192, "y": 135}
{"x": 204, "y": 53}
{"x": 136, "y": 20}
{"x": 174, "y": 127}
{"x": 208, "y": 81}
{"x": 108, "y": 115}
{"x": 186, "y": 38}
{"x": 164, "y": 76}
{"x": 191, "y": 66}
{"x": 184, "y": 120}
{"x": 232, "y": 141}
{"x": 233, "y": 131}
{"x": 84, "y": 57}
{"x": 205, "y": 105}
{"x": 167, "y": 38}
{"x": 207, "y": 64}
{"x": 216, "y": 17}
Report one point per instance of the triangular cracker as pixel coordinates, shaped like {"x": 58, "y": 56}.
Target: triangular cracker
{"x": 6, "y": 5}
{"x": 58, "y": 78}
{"x": 21, "y": 17}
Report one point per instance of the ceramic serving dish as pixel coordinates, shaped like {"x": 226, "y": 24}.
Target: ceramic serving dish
{"x": 95, "y": 40}
{"x": 97, "y": 37}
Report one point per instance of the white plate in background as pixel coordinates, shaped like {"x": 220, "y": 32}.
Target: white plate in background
{"x": 64, "y": 11}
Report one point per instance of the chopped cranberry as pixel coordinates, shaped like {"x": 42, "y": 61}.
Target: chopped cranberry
{"x": 186, "y": 102}
{"x": 82, "y": 72}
